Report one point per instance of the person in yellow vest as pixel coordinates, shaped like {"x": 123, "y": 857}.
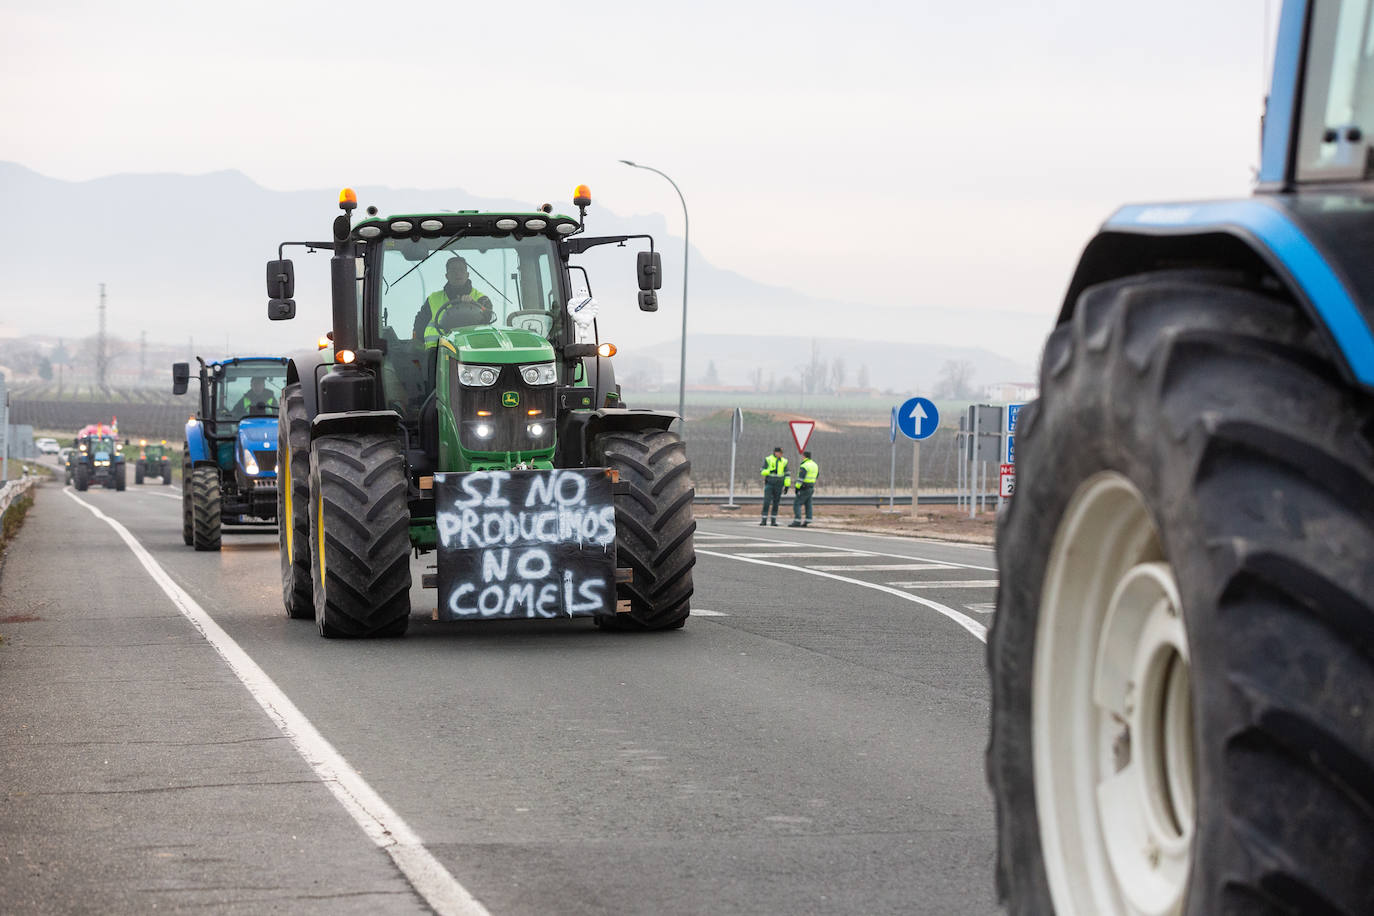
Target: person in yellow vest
{"x": 774, "y": 483}
{"x": 806, "y": 488}
{"x": 456, "y": 305}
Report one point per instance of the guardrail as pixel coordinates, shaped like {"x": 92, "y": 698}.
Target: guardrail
{"x": 11, "y": 491}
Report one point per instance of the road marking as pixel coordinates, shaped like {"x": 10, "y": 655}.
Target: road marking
{"x": 889, "y": 567}
{"x": 382, "y": 824}
{"x": 830, "y": 554}
{"x": 163, "y": 495}
{"x": 745, "y": 544}
{"x": 782, "y": 544}
{"x": 702, "y": 612}
{"x": 968, "y": 623}
{"x": 982, "y": 608}
{"x": 952, "y": 583}
{"x": 905, "y": 539}
{"x": 895, "y": 556}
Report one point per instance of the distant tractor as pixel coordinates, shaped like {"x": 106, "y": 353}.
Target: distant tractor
{"x": 471, "y": 408}
{"x": 229, "y": 459}
{"x": 154, "y": 460}
{"x": 1182, "y": 656}
{"x": 96, "y": 459}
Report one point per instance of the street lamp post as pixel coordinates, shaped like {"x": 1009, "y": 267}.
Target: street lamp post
{"x": 682, "y": 358}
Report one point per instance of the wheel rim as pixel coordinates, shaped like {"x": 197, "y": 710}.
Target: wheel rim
{"x": 1115, "y": 776}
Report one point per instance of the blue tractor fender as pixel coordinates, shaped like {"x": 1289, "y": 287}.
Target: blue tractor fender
{"x": 197, "y": 448}
{"x": 1313, "y": 255}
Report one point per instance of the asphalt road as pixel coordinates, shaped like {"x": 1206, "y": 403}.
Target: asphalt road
{"x": 811, "y": 741}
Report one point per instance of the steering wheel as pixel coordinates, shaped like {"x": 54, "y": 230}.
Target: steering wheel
{"x": 521, "y": 313}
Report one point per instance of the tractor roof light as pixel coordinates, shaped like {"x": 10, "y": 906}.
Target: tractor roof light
{"x": 324, "y": 342}
{"x": 607, "y": 350}
{"x": 507, "y": 224}
{"x": 582, "y": 196}
{"x": 348, "y": 199}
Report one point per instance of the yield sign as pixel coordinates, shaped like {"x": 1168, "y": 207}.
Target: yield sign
{"x": 801, "y": 432}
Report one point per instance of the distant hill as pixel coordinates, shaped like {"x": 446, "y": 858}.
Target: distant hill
{"x": 183, "y": 259}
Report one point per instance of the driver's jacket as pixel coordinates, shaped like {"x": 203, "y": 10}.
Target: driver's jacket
{"x": 246, "y": 403}
{"x": 438, "y": 301}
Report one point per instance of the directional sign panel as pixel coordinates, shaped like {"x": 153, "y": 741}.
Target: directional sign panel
{"x": 801, "y": 432}
{"x": 918, "y": 418}
{"x": 892, "y": 427}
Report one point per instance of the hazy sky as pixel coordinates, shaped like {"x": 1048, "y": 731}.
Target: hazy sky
{"x": 938, "y": 154}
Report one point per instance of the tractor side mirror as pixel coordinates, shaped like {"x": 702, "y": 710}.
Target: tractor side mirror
{"x": 181, "y": 374}
{"x": 648, "y": 301}
{"x": 281, "y": 279}
{"x": 281, "y": 309}
{"x": 650, "y": 267}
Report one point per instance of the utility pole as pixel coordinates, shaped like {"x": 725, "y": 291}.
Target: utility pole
{"x": 102, "y": 357}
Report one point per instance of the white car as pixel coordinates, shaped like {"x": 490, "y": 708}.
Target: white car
{"x": 48, "y": 446}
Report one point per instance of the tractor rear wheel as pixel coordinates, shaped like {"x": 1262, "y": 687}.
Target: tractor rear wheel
{"x": 1183, "y": 651}
{"x": 138, "y": 472}
{"x": 121, "y": 477}
{"x": 81, "y": 477}
{"x": 653, "y": 526}
{"x": 293, "y": 503}
{"x": 359, "y": 535}
{"x": 166, "y": 472}
{"x": 205, "y": 508}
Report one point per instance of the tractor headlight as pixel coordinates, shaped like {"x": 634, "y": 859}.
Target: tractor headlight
{"x": 250, "y": 466}
{"x": 477, "y": 376}
{"x": 536, "y": 430}
{"x": 539, "y": 374}
{"x": 482, "y": 430}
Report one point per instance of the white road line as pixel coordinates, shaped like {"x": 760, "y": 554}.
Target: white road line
{"x": 382, "y": 824}
{"x": 163, "y": 495}
{"x": 745, "y": 544}
{"x": 896, "y": 556}
{"x": 906, "y": 539}
{"x": 968, "y": 623}
{"x": 952, "y": 583}
{"x": 807, "y": 553}
{"x": 783, "y": 544}
{"x": 886, "y": 567}
{"x": 702, "y": 612}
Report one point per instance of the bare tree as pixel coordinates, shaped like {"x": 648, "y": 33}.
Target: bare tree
{"x": 956, "y": 379}
{"x": 756, "y": 378}
{"x": 837, "y": 374}
{"x": 863, "y": 375}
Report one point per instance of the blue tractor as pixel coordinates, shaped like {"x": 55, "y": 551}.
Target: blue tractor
{"x": 1182, "y": 658}
{"x": 229, "y": 461}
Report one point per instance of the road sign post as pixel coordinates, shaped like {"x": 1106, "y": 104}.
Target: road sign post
{"x": 892, "y": 474}
{"x": 736, "y": 428}
{"x": 917, "y": 419}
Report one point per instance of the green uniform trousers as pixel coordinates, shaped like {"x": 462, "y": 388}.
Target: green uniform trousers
{"x": 772, "y": 495}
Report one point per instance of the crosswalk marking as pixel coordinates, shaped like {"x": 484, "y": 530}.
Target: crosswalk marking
{"x": 881, "y": 567}
{"x": 957, "y": 583}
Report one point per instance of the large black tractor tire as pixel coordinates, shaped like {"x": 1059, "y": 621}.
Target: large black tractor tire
{"x": 293, "y": 503}
{"x": 138, "y": 472}
{"x": 188, "y": 525}
{"x": 206, "y": 525}
{"x": 1182, "y": 657}
{"x": 653, "y": 527}
{"x": 121, "y": 477}
{"x": 81, "y": 477}
{"x": 359, "y": 536}
{"x": 166, "y": 472}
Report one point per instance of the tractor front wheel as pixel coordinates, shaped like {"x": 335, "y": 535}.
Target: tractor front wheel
{"x": 653, "y": 526}
{"x": 138, "y": 472}
{"x": 81, "y": 477}
{"x": 188, "y": 526}
{"x": 293, "y": 503}
{"x": 205, "y": 508}
{"x": 166, "y": 472}
{"x": 1183, "y": 651}
{"x": 359, "y": 535}
{"x": 121, "y": 477}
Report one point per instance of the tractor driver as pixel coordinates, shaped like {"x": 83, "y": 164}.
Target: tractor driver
{"x": 257, "y": 399}
{"x": 456, "y": 305}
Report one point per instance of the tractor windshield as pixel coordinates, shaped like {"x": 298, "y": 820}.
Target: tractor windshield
{"x": 249, "y": 390}
{"x": 1338, "y": 103}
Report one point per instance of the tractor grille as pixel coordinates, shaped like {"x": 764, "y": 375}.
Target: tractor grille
{"x": 266, "y": 459}
{"x": 509, "y": 427}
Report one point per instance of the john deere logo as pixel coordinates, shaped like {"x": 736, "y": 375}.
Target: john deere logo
{"x": 510, "y": 399}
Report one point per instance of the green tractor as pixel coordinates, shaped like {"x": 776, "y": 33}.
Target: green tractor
{"x": 470, "y": 408}
{"x": 154, "y": 460}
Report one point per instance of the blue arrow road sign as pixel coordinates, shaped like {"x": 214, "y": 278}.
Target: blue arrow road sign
{"x": 918, "y": 418}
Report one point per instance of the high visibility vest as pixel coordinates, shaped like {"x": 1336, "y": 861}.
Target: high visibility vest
{"x": 810, "y": 470}
{"x": 437, "y": 301}
{"x": 246, "y": 405}
{"x": 773, "y": 466}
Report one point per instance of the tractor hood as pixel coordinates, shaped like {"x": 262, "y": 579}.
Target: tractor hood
{"x": 258, "y": 434}
{"x": 499, "y": 346}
